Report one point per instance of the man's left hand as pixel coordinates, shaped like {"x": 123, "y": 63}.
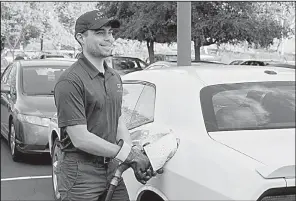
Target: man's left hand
{"x": 149, "y": 174}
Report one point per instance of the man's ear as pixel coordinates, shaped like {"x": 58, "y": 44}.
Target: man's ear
{"x": 80, "y": 38}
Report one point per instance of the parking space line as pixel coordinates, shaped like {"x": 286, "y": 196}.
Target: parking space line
{"x": 26, "y": 178}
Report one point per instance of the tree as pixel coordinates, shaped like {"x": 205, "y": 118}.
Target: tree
{"x": 19, "y": 23}
{"x": 212, "y": 23}
{"x": 283, "y": 13}
{"x": 233, "y": 22}
{"x": 54, "y": 21}
{"x": 144, "y": 21}
{"x": 66, "y": 14}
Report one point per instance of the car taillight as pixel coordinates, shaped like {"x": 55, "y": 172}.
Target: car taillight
{"x": 280, "y": 198}
{"x": 279, "y": 194}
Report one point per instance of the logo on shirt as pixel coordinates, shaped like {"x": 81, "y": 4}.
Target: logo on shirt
{"x": 119, "y": 87}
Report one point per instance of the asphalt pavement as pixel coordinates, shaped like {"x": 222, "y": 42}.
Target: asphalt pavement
{"x": 26, "y": 180}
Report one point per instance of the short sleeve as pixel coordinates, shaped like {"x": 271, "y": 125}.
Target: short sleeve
{"x": 69, "y": 102}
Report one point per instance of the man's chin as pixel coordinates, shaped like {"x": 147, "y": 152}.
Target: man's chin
{"x": 102, "y": 54}
{"x": 106, "y": 53}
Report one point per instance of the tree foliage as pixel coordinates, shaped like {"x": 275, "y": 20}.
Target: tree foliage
{"x": 66, "y": 14}
{"x": 212, "y": 22}
{"x": 52, "y": 21}
{"x": 19, "y": 23}
{"x": 233, "y": 22}
{"x": 2, "y": 42}
{"x": 144, "y": 21}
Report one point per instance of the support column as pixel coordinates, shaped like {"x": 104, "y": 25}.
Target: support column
{"x": 184, "y": 33}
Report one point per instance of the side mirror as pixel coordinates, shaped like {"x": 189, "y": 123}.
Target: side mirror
{"x": 5, "y": 88}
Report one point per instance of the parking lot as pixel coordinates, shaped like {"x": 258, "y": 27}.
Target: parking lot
{"x": 26, "y": 180}
{"x": 203, "y": 91}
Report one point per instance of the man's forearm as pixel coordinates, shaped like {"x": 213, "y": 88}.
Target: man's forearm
{"x": 123, "y": 132}
{"x": 90, "y": 143}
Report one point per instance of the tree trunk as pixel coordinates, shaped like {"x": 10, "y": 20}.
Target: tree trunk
{"x": 41, "y": 43}
{"x": 282, "y": 35}
{"x": 197, "y": 47}
{"x": 278, "y": 46}
{"x": 150, "y": 46}
{"x": 15, "y": 43}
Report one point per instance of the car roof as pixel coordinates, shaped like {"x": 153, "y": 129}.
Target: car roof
{"x": 210, "y": 74}
{"x": 122, "y": 57}
{"x": 258, "y": 60}
{"x": 50, "y": 54}
{"x": 174, "y": 63}
{"x": 283, "y": 65}
{"x": 46, "y": 62}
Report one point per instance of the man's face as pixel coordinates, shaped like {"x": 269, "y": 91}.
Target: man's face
{"x": 99, "y": 43}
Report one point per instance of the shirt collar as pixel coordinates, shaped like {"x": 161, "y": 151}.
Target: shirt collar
{"x": 91, "y": 69}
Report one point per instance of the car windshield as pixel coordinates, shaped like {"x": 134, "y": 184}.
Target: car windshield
{"x": 55, "y": 56}
{"x": 125, "y": 64}
{"x": 249, "y": 106}
{"x": 235, "y": 62}
{"x": 40, "y": 80}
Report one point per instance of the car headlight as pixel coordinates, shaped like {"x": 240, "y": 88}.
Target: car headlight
{"x": 54, "y": 118}
{"x": 40, "y": 121}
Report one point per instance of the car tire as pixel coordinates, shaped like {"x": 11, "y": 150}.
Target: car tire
{"x": 15, "y": 154}
{"x": 56, "y": 152}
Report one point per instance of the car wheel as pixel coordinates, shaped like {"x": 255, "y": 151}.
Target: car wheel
{"x": 56, "y": 152}
{"x": 15, "y": 154}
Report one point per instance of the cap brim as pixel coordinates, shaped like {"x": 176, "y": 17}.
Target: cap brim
{"x": 114, "y": 23}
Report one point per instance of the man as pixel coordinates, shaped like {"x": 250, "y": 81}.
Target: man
{"x": 88, "y": 97}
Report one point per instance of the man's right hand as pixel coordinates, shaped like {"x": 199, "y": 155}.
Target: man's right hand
{"x": 140, "y": 164}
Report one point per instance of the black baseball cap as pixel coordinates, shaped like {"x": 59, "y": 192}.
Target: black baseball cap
{"x": 93, "y": 20}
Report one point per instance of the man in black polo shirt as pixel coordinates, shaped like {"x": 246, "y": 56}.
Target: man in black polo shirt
{"x": 88, "y": 98}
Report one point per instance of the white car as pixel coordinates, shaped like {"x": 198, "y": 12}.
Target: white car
{"x": 236, "y": 128}
{"x": 169, "y": 64}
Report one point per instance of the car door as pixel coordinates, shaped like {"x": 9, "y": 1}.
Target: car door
{"x": 138, "y": 110}
{"x": 5, "y": 102}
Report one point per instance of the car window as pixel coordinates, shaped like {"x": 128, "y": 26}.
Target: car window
{"x": 144, "y": 111}
{"x": 141, "y": 64}
{"x": 246, "y": 63}
{"x": 138, "y": 104}
{"x": 12, "y": 75}
{"x": 5, "y": 74}
{"x": 124, "y": 64}
{"x": 247, "y": 106}
{"x": 158, "y": 57}
{"x": 256, "y": 63}
{"x": 171, "y": 57}
{"x": 130, "y": 96}
{"x": 12, "y": 79}
{"x": 40, "y": 80}
{"x": 4, "y": 64}
{"x": 55, "y": 56}
{"x": 235, "y": 63}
